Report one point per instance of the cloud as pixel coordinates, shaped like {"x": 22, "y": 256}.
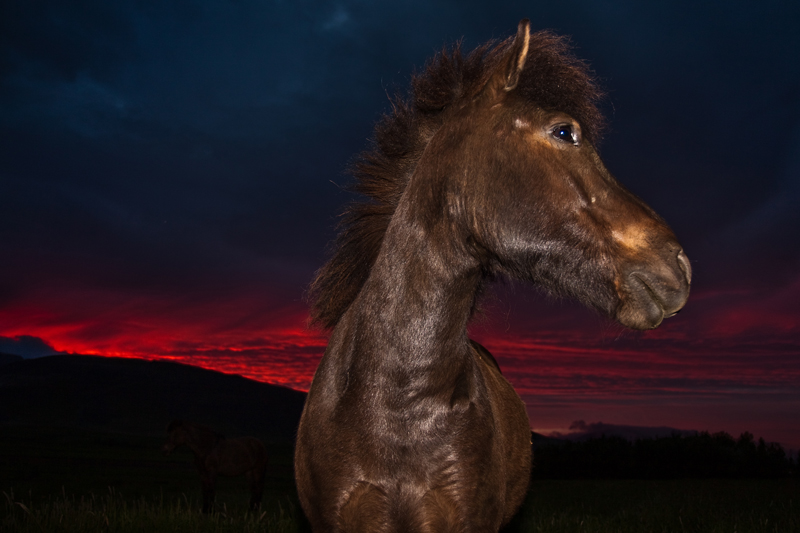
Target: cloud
{"x": 337, "y": 20}
{"x": 580, "y": 430}
{"x": 758, "y": 243}
{"x": 53, "y": 40}
{"x": 26, "y": 346}
{"x": 167, "y": 167}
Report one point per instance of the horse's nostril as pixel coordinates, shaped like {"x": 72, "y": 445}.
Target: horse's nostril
{"x": 683, "y": 261}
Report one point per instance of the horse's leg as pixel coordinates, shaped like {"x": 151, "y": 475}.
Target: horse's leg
{"x": 209, "y": 481}
{"x": 256, "y": 477}
{"x": 366, "y": 509}
{"x": 439, "y": 514}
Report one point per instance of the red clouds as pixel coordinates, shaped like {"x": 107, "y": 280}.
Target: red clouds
{"x": 242, "y": 336}
{"x": 729, "y": 362}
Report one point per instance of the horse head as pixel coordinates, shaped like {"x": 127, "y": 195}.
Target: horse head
{"x": 529, "y": 196}
{"x": 176, "y": 436}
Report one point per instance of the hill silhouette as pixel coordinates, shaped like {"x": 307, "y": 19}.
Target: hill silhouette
{"x": 690, "y": 455}
{"x": 139, "y": 396}
{"x": 6, "y": 358}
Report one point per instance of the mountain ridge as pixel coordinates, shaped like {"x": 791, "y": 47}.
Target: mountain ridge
{"x": 141, "y": 396}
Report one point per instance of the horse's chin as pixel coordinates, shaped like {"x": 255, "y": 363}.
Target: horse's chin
{"x": 648, "y": 302}
{"x": 645, "y": 315}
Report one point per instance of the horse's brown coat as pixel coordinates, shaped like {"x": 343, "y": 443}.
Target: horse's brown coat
{"x": 488, "y": 168}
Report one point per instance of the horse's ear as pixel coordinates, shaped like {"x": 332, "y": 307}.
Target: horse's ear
{"x": 517, "y": 54}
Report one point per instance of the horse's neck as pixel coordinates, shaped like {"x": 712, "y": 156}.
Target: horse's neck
{"x": 203, "y": 441}
{"x": 408, "y": 326}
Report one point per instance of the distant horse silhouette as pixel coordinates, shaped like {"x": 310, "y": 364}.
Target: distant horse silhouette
{"x": 216, "y": 455}
{"x": 487, "y": 168}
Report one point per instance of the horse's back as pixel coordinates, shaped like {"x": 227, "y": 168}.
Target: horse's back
{"x": 234, "y": 457}
{"x": 512, "y": 428}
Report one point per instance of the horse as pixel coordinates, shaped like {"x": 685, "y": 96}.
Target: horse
{"x": 215, "y": 455}
{"x": 487, "y": 168}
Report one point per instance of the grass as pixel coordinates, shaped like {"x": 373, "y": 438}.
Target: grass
{"x": 621, "y": 506}
{"x": 56, "y": 480}
{"x": 114, "y": 512}
{"x": 738, "y": 506}
{"x": 68, "y": 479}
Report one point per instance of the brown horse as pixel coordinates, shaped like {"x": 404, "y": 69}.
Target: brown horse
{"x": 488, "y": 168}
{"x": 216, "y": 455}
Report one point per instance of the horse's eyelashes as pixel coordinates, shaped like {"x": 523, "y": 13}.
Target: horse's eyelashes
{"x": 565, "y": 133}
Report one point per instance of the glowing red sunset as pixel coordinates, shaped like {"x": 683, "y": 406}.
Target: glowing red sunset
{"x": 725, "y": 380}
{"x": 164, "y": 194}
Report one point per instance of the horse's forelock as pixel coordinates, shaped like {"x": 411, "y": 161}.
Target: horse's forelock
{"x": 556, "y": 80}
{"x": 552, "y": 78}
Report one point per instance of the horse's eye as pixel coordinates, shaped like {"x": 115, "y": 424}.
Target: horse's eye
{"x": 564, "y": 132}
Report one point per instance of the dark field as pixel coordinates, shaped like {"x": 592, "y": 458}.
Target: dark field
{"x": 82, "y": 480}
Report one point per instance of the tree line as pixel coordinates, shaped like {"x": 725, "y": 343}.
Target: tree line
{"x": 701, "y": 455}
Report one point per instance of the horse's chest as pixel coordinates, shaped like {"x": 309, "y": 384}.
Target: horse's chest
{"x": 427, "y": 443}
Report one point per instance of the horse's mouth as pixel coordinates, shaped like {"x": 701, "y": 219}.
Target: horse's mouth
{"x": 655, "y": 309}
{"x": 650, "y": 296}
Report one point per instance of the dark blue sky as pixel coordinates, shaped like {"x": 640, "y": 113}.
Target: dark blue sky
{"x": 174, "y": 169}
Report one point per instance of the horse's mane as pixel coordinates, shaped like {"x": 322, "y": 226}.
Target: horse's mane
{"x": 552, "y": 79}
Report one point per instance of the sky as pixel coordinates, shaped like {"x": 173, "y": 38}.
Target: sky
{"x": 171, "y": 175}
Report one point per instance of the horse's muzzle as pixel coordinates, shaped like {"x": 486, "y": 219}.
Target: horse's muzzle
{"x": 654, "y": 290}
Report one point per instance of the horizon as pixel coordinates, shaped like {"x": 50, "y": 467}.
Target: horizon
{"x": 578, "y": 430}
{"x": 171, "y": 176}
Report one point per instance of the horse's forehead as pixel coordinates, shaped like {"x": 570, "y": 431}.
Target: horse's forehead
{"x": 516, "y": 115}
{"x": 521, "y": 123}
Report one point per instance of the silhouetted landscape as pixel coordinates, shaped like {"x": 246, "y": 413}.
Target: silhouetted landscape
{"x": 9, "y": 358}
{"x": 81, "y": 437}
{"x": 141, "y": 397}
{"x": 698, "y": 456}
{"x": 138, "y": 397}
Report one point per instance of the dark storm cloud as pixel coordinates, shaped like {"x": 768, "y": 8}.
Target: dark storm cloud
{"x": 165, "y": 139}
{"x": 152, "y": 146}
{"x": 170, "y": 173}
{"x": 191, "y": 145}
{"x": 26, "y": 346}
